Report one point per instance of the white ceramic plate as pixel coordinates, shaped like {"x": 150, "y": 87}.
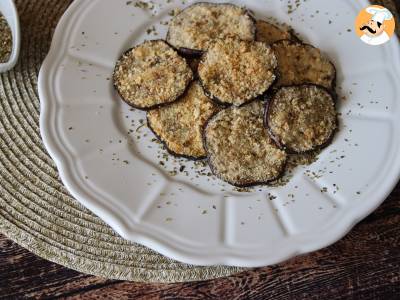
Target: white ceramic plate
{"x": 109, "y": 162}
{"x": 9, "y": 11}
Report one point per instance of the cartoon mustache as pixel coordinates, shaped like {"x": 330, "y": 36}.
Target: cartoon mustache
{"x": 368, "y": 28}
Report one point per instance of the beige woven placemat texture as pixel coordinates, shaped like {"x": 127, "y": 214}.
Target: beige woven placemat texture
{"x": 36, "y": 210}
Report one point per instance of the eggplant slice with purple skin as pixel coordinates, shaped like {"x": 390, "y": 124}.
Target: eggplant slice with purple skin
{"x": 239, "y": 149}
{"x": 179, "y": 125}
{"x": 270, "y": 33}
{"x": 300, "y": 63}
{"x": 301, "y": 118}
{"x": 194, "y": 29}
{"x": 151, "y": 74}
{"x": 236, "y": 72}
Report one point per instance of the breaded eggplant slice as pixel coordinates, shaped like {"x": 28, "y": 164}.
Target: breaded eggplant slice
{"x": 195, "y": 28}
{"x": 270, "y": 33}
{"x": 300, "y": 63}
{"x": 239, "y": 149}
{"x": 236, "y": 72}
{"x": 179, "y": 125}
{"x": 151, "y": 74}
{"x": 301, "y": 118}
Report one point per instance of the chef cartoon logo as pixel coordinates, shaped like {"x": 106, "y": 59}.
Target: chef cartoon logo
{"x": 375, "y": 25}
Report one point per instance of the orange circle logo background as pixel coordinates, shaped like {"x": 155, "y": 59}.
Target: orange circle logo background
{"x": 364, "y": 17}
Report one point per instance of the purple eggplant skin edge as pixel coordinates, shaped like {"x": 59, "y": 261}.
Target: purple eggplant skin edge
{"x": 195, "y": 72}
{"x": 269, "y": 102}
{"x": 147, "y": 108}
{"x": 236, "y": 184}
{"x": 196, "y": 53}
{"x": 294, "y": 36}
{"x": 190, "y": 53}
{"x": 332, "y": 87}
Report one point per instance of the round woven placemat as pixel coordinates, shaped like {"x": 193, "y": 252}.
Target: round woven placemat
{"x": 36, "y": 210}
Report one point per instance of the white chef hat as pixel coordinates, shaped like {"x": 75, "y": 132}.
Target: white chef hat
{"x": 379, "y": 14}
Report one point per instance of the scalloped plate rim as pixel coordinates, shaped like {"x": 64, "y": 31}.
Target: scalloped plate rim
{"x": 165, "y": 246}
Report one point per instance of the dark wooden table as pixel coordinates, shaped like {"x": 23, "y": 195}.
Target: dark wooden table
{"x": 363, "y": 265}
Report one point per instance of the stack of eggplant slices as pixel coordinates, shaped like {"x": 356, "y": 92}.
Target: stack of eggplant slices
{"x": 241, "y": 93}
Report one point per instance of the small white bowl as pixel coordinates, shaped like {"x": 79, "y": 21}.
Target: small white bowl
{"x": 9, "y": 11}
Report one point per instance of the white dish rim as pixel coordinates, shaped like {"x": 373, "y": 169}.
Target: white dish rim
{"x": 156, "y": 241}
{"x": 11, "y": 15}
